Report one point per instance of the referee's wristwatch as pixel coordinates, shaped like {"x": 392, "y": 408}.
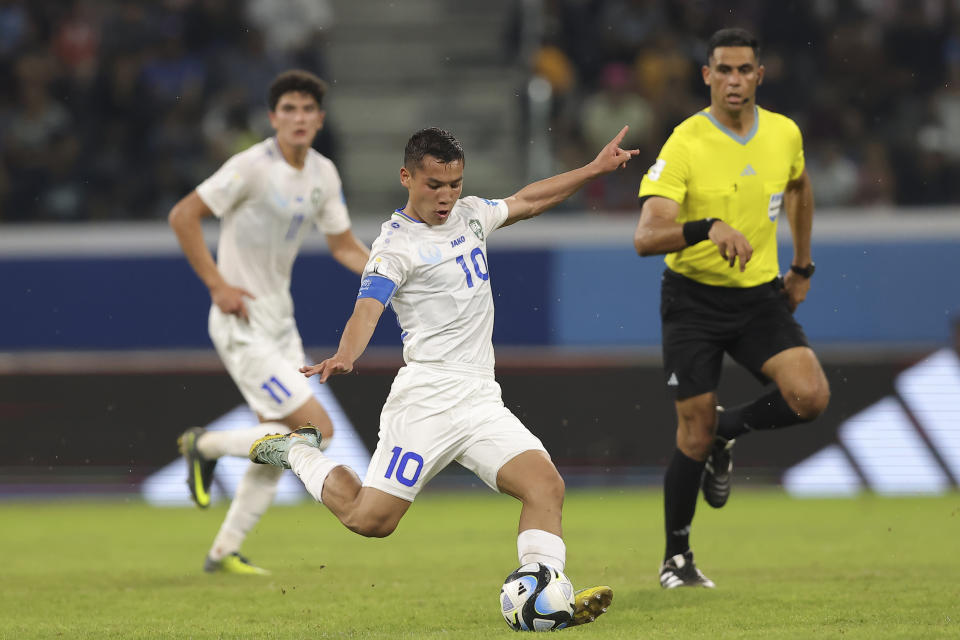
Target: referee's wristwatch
{"x": 806, "y": 271}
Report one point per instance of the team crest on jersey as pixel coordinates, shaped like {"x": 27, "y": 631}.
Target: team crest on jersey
{"x": 315, "y": 197}
{"x": 476, "y": 227}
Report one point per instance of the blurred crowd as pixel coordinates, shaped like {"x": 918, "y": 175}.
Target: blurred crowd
{"x": 114, "y": 109}
{"x": 873, "y": 84}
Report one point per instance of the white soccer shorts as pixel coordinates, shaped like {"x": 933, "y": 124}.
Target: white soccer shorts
{"x": 263, "y": 356}
{"x": 435, "y": 415}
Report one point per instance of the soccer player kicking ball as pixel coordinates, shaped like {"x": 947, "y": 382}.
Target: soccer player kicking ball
{"x": 430, "y": 264}
{"x": 267, "y": 197}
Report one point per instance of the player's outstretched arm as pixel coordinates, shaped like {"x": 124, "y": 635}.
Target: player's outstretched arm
{"x": 185, "y": 220}
{"x": 356, "y": 337}
{"x": 536, "y": 198}
{"x": 658, "y": 232}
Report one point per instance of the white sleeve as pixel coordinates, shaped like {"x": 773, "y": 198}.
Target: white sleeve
{"x": 389, "y": 257}
{"x": 229, "y": 186}
{"x": 491, "y": 214}
{"x": 332, "y": 215}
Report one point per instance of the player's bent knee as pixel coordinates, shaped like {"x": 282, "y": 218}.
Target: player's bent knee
{"x": 551, "y": 483}
{"x": 549, "y": 491}
{"x": 560, "y": 487}
{"x": 370, "y": 526}
{"x": 373, "y": 514}
{"x": 545, "y": 489}
{"x": 696, "y": 431}
{"x": 699, "y": 417}
{"x": 809, "y": 402}
{"x": 379, "y": 530}
{"x": 814, "y": 404}
{"x": 695, "y": 445}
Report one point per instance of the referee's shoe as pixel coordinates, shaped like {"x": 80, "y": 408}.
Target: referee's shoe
{"x": 717, "y": 471}
{"x": 680, "y": 571}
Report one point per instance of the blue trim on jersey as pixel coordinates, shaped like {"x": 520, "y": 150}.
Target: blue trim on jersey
{"x": 378, "y": 288}
{"x": 736, "y": 138}
{"x": 400, "y": 211}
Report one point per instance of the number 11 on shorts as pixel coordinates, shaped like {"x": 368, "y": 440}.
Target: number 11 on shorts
{"x": 401, "y": 465}
{"x": 266, "y": 386}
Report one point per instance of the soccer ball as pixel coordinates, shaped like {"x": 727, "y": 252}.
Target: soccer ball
{"x": 537, "y": 597}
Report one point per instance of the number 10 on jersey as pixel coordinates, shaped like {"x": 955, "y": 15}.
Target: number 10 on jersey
{"x": 476, "y": 257}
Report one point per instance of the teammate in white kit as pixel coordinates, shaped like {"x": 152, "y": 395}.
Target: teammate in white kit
{"x": 267, "y": 198}
{"x": 430, "y": 264}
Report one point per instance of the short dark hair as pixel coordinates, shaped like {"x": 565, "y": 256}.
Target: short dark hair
{"x": 734, "y": 37}
{"x": 296, "y": 80}
{"x": 431, "y": 141}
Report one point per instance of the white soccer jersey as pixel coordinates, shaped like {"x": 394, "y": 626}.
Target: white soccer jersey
{"x": 266, "y": 207}
{"x": 442, "y": 298}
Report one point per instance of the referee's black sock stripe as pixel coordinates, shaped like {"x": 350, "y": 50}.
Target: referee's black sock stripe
{"x": 681, "y": 486}
{"x": 770, "y": 411}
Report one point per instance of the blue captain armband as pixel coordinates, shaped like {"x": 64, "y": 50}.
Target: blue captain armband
{"x": 378, "y": 288}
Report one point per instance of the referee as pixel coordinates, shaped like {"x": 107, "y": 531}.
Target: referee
{"x": 711, "y": 203}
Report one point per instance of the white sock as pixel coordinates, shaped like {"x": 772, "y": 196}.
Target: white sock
{"x": 311, "y": 466}
{"x": 254, "y": 494}
{"x": 537, "y": 545}
{"x": 235, "y": 442}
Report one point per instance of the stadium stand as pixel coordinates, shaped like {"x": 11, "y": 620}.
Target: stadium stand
{"x": 91, "y": 89}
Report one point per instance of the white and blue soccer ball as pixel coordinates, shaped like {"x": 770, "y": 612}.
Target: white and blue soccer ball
{"x": 537, "y": 597}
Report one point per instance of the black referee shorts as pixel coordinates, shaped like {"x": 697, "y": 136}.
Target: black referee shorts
{"x": 700, "y": 322}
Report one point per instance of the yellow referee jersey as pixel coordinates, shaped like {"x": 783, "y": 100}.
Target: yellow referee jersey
{"x": 714, "y": 173}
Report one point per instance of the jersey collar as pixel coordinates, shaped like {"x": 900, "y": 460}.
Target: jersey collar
{"x": 399, "y": 212}
{"x": 736, "y": 138}
{"x": 283, "y": 158}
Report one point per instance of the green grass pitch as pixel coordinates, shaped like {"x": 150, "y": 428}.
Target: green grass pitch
{"x": 784, "y": 568}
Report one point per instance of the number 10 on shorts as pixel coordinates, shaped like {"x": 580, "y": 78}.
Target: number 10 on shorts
{"x": 401, "y": 464}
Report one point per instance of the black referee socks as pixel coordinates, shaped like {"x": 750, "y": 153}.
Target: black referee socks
{"x": 681, "y": 485}
{"x": 766, "y": 412}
